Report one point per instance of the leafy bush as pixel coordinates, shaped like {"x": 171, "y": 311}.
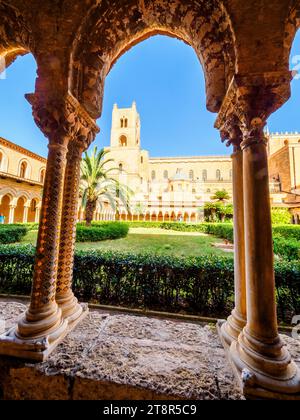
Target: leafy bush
{"x": 286, "y": 248}
{"x": 11, "y": 233}
{"x": 288, "y": 232}
{"x": 200, "y": 285}
{"x": 281, "y": 216}
{"x": 101, "y": 231}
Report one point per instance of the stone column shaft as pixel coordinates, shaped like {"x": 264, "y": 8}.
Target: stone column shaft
{"x": 259, "y": 354}
{"x": 237, "y": 321}
{"x": 43, "y": 314}
{"x": 64, "y": 295}
{"x": 11, "y": 214}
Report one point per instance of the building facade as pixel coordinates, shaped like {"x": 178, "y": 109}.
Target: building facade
{"x": 22, "y": 175}
{"x": 169, "y": 188}
{"x": 164, "y": 189}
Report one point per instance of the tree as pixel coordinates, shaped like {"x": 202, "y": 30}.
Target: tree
{"x": 221, "y": 196}
{"x": 97, "y": 184}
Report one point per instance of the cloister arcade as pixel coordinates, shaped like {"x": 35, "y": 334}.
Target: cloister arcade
{"x": 244, "y": 51}
{"x": 19, "y": 207}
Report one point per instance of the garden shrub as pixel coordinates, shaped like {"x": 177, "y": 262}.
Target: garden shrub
{"x": 288, "y": 232}
{"x": 281, "y": 216}
{"x": 286, "y": 248}
{"x": 101, "y": 231}
{"x": 12, "y": 233}
{"x": 198, "y": 285}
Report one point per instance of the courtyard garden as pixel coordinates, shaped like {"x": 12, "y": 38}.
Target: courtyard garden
{"x": 175, "y": 267}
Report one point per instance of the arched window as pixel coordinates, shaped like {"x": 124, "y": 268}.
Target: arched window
{"x": 218, "y": 175}
{"x": 42, "y": 175}
{"x": 122, "y": 123}
{"x": 126, "y": 123}
{"x": 191, "y": 175}
{"x": 123, "y": 141}
{"x": 142, "y": 160}
{"x": 204, "y": 175}
{"x": 153, "y": 175}
{"x": 23, "y": 169}
{"x": 166, "y": 175}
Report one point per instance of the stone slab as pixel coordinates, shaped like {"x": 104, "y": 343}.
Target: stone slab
{"x": 116, "y": 356}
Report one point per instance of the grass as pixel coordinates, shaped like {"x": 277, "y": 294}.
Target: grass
{"x": 153, "y": 240}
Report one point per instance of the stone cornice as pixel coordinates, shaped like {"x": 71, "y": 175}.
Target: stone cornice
{"x": 22, "y": 150}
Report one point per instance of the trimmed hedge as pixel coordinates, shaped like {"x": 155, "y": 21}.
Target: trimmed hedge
{"x": 287, "y": 231}
{"x": 101, "y": 232}
{"x": 11, "y": 233}
{"x": 202, "y": 285}
{"x": 287, "y": 248}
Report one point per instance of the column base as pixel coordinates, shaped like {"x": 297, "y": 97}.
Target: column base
{"x": 256, "y": 384}
{"x": 232, "y": 328}
{"x": 39, "y": 348}
{"x": 71, "y": 309}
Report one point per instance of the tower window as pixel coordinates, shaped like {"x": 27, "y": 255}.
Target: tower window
{"x": 204, "y": 175}
{"x": 120, "y": 167}
{"x": 142, "y": 160}
{"x": 166, "y": 175}
{"x": 153, "y": 175}
{"x": 218, "y": 175}
{"x": 126, "y": 123}
{"x": 122, "y": 123}
{"x": 123, "y": 141}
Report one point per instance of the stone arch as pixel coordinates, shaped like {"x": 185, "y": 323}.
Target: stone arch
{"x": 16, "y": 38}
{"x": 20, "y": 208}
{"x": 292, "y": 24}
{"x": 105, "y": 35}
{"x": 5, "y": 207}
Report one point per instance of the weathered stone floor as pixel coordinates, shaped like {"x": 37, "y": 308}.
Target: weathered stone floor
{"x": 113, "y": 356}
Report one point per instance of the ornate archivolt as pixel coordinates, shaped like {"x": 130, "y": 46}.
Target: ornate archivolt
{"x": 15, "y": 34}
{"x": 107, "y": 33}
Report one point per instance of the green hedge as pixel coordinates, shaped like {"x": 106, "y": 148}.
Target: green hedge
{"x": 286, "y": 248}
{"x": 288, "y": 232}
{"x": 202, "y": 285}
{"x": 101, "y": 231}
{"x": 11, "y": 233}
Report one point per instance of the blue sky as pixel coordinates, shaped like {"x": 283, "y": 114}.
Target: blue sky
{"x": 164, "y": 77}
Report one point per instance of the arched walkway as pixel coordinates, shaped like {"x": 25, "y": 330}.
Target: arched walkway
{"x": 5, "y": 208}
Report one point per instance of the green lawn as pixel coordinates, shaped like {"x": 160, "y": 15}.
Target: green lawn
{"x": 153, "y": 240}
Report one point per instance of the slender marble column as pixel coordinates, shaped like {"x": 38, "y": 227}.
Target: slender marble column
{"x": 237, "y": 321}
{"x": 259, "y": 353}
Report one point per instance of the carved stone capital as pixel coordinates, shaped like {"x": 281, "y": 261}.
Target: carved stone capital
{"x": 249, "y": 101}
{"x": 63, "y": 119}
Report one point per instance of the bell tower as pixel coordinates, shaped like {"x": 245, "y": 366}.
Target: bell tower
{"x": 126, "y": 128}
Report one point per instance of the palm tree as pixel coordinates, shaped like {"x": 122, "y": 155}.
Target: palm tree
{"x": 97, "y": 184}
{"x": 221, "y": 196}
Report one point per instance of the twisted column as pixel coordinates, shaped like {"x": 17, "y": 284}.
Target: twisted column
{"x": 65, "y": 298}
{"x": 57, "y": 120}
